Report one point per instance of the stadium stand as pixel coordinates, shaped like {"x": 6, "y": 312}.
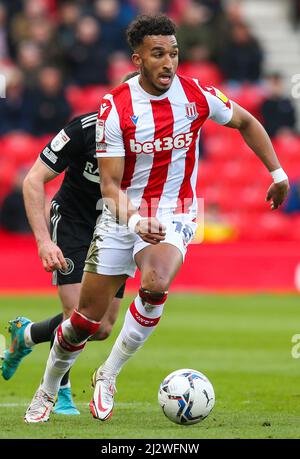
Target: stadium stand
{"x": 230, "y": 176}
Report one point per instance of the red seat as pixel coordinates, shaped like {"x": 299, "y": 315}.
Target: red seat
{"x": 42, "y": 141}
{"x": 210, "y": 128}
{"x": 206, "y": 174}
{"x": 19, "y": 147}
{"x": 268, "y": 226}
{"x": 275, "y": 226}
{"x": 207, "y": 72}
{"x": 252, "y": 198}
{"x": 250, "y": 96}
{"x": 287, "y": 145}
{"x": 53, "y": 186}
{"x": 294, "y": 227}
{"x": 84, "y": 100}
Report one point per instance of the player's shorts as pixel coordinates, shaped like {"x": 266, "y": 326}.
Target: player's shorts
{"x": 73, "y": 238}
{"x": 114, "y": 247}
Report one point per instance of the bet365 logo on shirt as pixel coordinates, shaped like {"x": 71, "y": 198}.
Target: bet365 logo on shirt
{"x": 179, "y": 142}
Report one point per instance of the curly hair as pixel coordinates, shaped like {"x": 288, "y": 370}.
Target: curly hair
{"x": 144, "y": 25}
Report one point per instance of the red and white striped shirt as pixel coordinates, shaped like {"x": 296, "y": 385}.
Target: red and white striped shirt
{"x": 159, "y": 137}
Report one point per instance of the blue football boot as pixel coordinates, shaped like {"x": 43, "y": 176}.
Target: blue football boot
{"x": 64, "y": 403}
{"x": 17, "y": 350}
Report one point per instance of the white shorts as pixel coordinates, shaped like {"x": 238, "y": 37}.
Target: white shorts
{"x": 114, "y": 247}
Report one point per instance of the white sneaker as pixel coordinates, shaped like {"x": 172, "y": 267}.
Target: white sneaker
{"x": 102, "y": 403}
{"x": 40, "y": 407}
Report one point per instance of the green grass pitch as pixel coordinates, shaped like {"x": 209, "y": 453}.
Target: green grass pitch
{"x": 242, "y": 343}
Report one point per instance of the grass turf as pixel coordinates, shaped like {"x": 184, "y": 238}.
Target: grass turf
{"x": 242, "y": 343}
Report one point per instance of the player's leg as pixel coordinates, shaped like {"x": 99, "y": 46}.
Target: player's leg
{"x": 100, "y": 284}
{"x": 109, "y": 317}
{"x": 158, "y": 265}
{"x": 24, "y": 335}
{"x": 69, "y": 295}
{"x": 97, "y": 294}
{"x": 73, "y": 238}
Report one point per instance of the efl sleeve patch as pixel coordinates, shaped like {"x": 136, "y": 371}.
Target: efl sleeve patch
{"x": 59, "y": 141}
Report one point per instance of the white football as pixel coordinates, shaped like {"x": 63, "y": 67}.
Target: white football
{"x": 186, "y": 396}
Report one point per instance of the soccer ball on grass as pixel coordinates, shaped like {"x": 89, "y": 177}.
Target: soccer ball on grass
{"x": 186, "y": 396}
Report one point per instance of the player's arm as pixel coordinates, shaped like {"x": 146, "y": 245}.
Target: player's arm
{"x": 111, "y": 172}
{"x": 34, "y": 199}
{"x": 258, "y": 140}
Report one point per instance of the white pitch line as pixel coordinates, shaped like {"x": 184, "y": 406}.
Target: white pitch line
{"x": 121, "y": 404}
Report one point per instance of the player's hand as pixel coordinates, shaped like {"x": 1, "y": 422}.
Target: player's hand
{"x": 52, "y": 257}
{"x": 277, "y": 193}
{"x": 151, "y": 230}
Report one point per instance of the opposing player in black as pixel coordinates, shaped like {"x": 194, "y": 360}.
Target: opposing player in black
{"x": 62, "y": 247}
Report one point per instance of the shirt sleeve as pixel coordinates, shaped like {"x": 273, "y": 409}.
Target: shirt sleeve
{"x": 68, "y": 142}
{"x": 109, "y": 137}
{"x": 220, "y": 107}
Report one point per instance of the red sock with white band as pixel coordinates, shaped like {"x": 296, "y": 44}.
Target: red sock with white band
{"x": 70, "y": 340}
{"x": 141, "y": 320}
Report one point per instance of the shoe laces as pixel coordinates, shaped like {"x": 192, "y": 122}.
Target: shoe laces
{"x": 41, "y": 399}
{"x": 109, "y": 383}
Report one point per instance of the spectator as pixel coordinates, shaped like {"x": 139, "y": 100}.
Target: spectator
{"x": 295, "y": 12}
{"x": 34, "y": 10}
{"x": 149, "y": 6}
{"x": 51, "y": 108}
{"x": 87, "y": 58}
{"x": 242, "y": 57}
{"x": 195, "y": 34}
{"x": 215, "y": 7}
{"x": 69, "y": 14}
{"x": 112, "y": 32}
{"x": 15, "y": 109}
{"x": 277, "y": 109}
{"x": 44, "y": 35}
{"x": 127, "y": 12}
{"x": 217, "y": 228}
{"x": 4, "y": 51}
{"x": 292, "y": 204}
{"x": 200, "y": 67}
{"x": 30, "y": 61}
{"x": 12, "y": 213}
{"x": 176, "y": 9}
{"x": 119, "y": 65}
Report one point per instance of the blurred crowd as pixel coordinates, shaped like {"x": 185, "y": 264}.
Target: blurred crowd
{"x": 59, "y": 56}
{"x": 47, "y": 46}
{"x": 295, "y": 12}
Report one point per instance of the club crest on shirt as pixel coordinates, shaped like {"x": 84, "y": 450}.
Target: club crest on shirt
{"x": 191, "y": 111}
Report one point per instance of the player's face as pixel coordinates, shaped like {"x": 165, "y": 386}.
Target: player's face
{"x": 157, "y": 59}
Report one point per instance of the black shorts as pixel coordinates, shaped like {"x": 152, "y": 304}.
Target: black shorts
{"x": 73, "y": 239}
